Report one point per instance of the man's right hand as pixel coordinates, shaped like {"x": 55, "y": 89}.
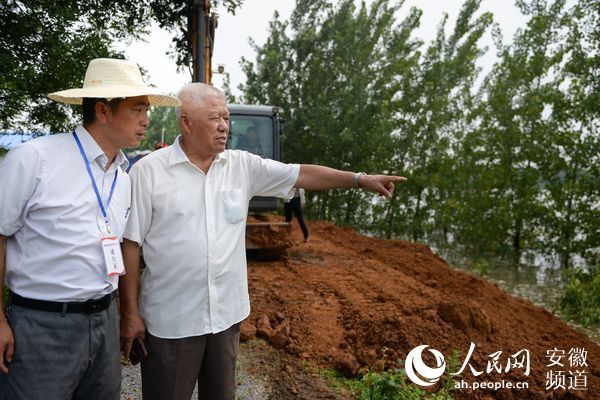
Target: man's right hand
{"x": 132, "y": 326}
{"x": 7, "y": 346}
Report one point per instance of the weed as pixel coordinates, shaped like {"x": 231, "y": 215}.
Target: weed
{"x": 336, "y": 381}
{"x": 394, "y": 385}
{"x": 481, "y": 267}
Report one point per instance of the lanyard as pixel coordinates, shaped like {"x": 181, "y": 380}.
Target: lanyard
{"x": 89, "y": 170}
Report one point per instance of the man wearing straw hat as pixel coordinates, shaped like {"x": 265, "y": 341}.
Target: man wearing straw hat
{"x": 65, "y": 201}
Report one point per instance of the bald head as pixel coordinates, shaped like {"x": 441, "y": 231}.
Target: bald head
{"x": 193, "y": 96}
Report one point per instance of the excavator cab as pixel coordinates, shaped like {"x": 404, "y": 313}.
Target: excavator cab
{"x": 257, "y": 129}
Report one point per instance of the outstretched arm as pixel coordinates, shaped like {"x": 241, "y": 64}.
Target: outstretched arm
{"x": 317, "y": 177}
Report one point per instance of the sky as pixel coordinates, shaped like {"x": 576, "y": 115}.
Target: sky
{"x": 252, "y": 21}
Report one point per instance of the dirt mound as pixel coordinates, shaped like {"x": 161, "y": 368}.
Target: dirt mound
{"x": 354, "y": 303}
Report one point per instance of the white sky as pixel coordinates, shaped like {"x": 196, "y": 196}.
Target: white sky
{"x": 252, "y": 21}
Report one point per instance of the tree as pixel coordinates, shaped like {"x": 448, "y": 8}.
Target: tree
{"x": 45, "y": 46}
{"x": 510, "y": 169}
{"x": 331, "y": 77}
{"x": 162, "y": 120}
{"x": 432, "y": 104}
{"x": 515, "y": 125}
{"x": 571, "y": 190}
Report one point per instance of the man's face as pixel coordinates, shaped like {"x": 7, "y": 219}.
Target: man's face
{"x": 209, "y": 124}
{"x": 128, "y": 124}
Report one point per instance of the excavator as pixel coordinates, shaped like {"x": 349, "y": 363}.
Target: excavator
{"x": 254, "y": 128}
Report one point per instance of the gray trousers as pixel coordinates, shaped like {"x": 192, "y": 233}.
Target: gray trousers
{"x": 63, "y": 357}
{"x": 174, "y": 365}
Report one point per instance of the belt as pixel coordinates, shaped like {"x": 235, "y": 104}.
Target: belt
{"x": 81, "y": 307}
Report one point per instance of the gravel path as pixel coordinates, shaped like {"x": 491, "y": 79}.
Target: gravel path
{"x": 249, "y": 385}
{"x": 131, "y": 382}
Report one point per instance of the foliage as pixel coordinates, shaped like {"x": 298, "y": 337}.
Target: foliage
{"x": 227, "y": 89}
{"x": 581, "y": 300}
{"x": 510, "y": 168}
{"x": 332, "y": 81}
{"x": 391, "y": 384}
{"x": 515, "y": 130}
{"x": 45, "y": 46}
{"x": 162, "y": 119}
{"x": 430, "y": 122}
{"x": 481, "y": 267}
{"x": 394, "y": 385}
{"x": 571, "y": 192}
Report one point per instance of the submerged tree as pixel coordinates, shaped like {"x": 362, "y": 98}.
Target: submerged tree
{"x": 571, "y": 166}
{"x": 518, "y": 126}
{"x": 332, "y": 77}
{"x": 509, "y": 168}
{"x": 432, "y": 107}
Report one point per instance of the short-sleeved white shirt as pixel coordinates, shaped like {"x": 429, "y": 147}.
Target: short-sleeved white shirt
{"x": 50, "y": 214}
{"x": 192, "y": 229}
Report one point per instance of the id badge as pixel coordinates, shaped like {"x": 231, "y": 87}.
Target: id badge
{"x": 112, "y": 256}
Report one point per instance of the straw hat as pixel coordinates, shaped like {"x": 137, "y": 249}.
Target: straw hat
{"x": 109, "y": 78}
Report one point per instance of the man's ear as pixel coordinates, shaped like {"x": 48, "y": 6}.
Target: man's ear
{"x": 102, "y": 110}
{"x": 184, "y": 123}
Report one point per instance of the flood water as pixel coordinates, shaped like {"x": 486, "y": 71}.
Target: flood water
{"x": 542, "y": 285}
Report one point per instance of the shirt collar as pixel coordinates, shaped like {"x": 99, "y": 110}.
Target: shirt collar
{"x": 178, "y": 156}
{"x": 222, "y": 158}
{"x": 94, "y": 152}
{"x": 122, "y": 161}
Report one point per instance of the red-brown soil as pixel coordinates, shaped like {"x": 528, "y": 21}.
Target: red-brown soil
{"x": 356, "y": 303}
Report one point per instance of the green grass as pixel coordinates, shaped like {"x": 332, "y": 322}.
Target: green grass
{"x": 391, "y": 384}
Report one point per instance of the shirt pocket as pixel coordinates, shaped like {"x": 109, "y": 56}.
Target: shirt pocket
{"x": 234, "y": 205}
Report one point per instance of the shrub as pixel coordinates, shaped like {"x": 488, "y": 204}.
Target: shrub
{"x": 581, "y": 300}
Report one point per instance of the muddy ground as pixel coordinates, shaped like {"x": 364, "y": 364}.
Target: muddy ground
{"x": 353, "y": 303}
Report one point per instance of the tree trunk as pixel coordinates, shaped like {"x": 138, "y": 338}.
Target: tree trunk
{"x": 416, "y": 231}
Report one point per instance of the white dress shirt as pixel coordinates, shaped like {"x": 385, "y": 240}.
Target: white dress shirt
{"x": 51, "y": 216}
{"x": 192, "y": 229}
